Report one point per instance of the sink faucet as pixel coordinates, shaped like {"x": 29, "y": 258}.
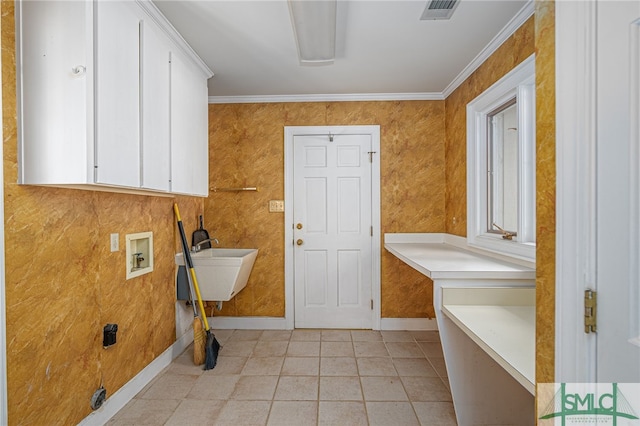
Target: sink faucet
{"x": 137, "y": 260}
{"x": 196, "y": 248}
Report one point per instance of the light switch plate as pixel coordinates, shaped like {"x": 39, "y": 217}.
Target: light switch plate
{"x": 115, "y": 243}
{"x": 276, "y": 206}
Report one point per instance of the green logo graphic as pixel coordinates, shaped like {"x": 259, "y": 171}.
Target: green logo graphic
{"x": 566, "y": 404}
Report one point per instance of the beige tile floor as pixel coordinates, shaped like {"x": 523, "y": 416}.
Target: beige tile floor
{"x": 303, "y": 377}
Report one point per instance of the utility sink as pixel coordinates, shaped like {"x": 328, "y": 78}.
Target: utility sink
{"x": 221, "y": 272}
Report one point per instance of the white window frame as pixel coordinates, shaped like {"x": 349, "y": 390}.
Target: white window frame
{"x": 519, "y": 83}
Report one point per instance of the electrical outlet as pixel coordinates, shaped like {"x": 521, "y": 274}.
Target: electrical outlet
{"x": 276, "y": 206}
{"x": 115, "y": 243}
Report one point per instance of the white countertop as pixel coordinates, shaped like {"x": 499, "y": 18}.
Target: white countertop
{"x": 502, "y": 322}
{"x": 496, "y": 314}
{"x": 441, "y": 257}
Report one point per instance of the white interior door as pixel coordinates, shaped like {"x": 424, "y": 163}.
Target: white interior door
{"x": 333, "y": 230}
{"x": 618, "y": 115}
{"x": 598, "y": 189}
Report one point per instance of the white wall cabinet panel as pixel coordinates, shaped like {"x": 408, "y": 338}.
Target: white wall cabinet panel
{"x": 55, "y": 77}
{"x": 156, "y": 107}
{"x": 117, "y": 93}
{"x": 96, "y": 96}
{"x": 189, "y": 129}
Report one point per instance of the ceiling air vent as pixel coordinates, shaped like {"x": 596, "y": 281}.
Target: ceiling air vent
{"x": 439, "y": 9}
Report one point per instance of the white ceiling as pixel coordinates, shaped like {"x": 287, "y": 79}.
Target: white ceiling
{"x": 383, "y": 48}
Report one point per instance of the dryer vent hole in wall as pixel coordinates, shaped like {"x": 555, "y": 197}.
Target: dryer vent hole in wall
{"x": 98, "y": 398}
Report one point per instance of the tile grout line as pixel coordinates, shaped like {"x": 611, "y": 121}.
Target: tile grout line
{"x": 253, "y": 354}
{"x": 413, "y": 407}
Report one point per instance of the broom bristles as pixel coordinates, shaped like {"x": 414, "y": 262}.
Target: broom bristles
{"x": 198, "y": 342}
{"x": 211, "y": 351}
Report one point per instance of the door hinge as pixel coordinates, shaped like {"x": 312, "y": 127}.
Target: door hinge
{"x": 371, "y": 155}
{"x": 590, "y": 311}
{"x": 371, "y": 230}
{"x": 372, "y": 304}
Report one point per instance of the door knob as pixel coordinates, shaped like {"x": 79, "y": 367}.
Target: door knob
{"x": 299, "y": 226}
{"x": 299, "y": 242}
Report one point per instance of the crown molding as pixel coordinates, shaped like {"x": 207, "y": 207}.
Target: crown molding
{"x": 173, "y": 34}
{"x": 516, "y": 22}
{"x": 352, "y": 97}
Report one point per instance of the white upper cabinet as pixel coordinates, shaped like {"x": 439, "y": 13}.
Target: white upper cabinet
{"x": 189, "y": 129}
{"x": 95, "y": 93}
{"x": 55, "y": 99}
{"x": 117, "y": 99}
{"x": 156, "y": 107}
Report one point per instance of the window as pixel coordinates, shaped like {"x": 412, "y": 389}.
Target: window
{"x": 502, "y": 169}
{"x": 501, "y": 165}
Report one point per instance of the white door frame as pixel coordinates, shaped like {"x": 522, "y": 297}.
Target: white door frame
{"x": 289, "y": 133}
{"x": 4, "y": 409}
{"x": 575, "y": 24}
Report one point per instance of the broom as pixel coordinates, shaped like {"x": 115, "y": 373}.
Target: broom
{"x": 212, "y": 346}
{"x": 198, "y": 332}
{"x": 199, "y": 352}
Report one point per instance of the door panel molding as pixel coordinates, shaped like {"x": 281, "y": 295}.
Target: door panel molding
{"x": 289, "y": 133}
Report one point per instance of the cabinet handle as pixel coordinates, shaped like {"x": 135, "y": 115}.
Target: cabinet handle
{"x": 79, "y": 70}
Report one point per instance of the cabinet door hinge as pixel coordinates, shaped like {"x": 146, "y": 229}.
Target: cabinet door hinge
{"x": 590, "y": 311}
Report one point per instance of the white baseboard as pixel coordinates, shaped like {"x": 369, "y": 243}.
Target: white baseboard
{"x": 122, "y": 396}
{"x": 273, "y": 323}
{"x": 248, "y": 323}
{"x": 408, "y": 324}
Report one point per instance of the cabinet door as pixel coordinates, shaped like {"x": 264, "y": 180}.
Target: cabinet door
{"x": 55, "y": 99}
{"x": 189, "y": 129}
{"x": 156, "y": 108}
{"x": 117, "y": 126}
